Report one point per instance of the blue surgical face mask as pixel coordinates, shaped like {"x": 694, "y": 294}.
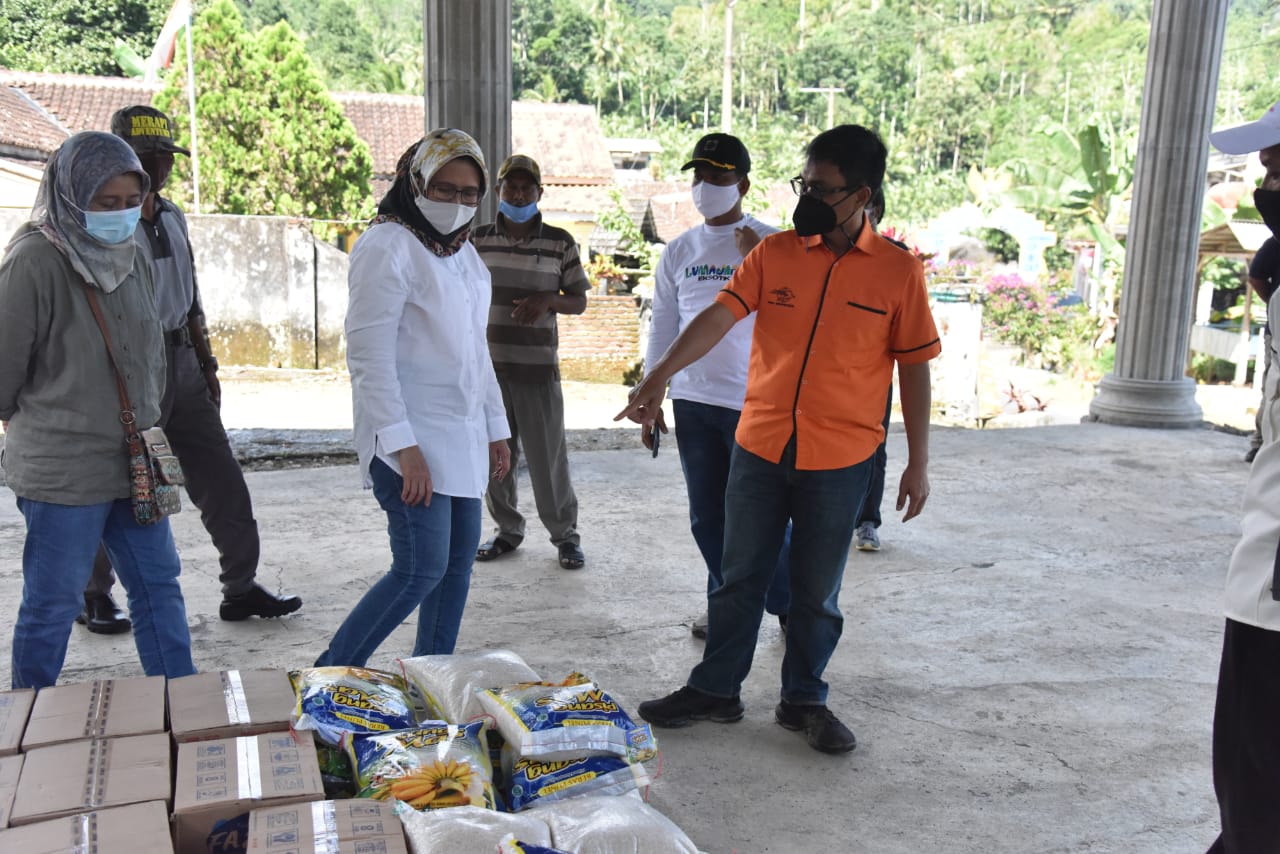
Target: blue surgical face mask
{"x": 112, "y": 226}
{"x": 518, "y": 213}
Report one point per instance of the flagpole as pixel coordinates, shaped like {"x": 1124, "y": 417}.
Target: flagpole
{"x": 191, "y": 103}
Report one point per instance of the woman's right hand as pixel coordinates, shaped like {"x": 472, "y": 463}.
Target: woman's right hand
{"x": 416, "y": 475}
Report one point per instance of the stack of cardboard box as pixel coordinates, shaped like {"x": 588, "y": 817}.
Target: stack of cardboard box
{"x": 100, "y": 767}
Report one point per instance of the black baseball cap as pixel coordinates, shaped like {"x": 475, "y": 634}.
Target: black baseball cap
{"x": 146, "y": 129}
{"x": 720, "y": 151}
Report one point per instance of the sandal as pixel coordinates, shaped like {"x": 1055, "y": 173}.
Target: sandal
{"x": 494, "y": 549}
{"x": 571, "y": 556}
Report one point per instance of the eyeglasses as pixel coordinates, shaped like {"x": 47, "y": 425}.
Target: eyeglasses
{"x": 803, "y": 188}
{"x": 448, "y": 192}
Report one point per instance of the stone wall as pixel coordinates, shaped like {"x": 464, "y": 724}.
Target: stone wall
{"x": 275, "y": 296}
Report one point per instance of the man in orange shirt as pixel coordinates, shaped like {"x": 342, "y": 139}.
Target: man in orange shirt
{"x": 836, "y": 306}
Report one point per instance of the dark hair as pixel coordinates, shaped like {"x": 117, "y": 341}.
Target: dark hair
{"x": 856, "y": 151}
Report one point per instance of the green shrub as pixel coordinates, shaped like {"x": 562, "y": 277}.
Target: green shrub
{"x": 1040, "y": 319}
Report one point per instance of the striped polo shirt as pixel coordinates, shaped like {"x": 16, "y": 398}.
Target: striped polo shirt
{"x": 545, "y": 261}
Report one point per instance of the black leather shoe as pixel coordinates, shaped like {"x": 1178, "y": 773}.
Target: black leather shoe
{"x": 822, "y": 729}
{"x": 102, "y": 617}
{"x": 683, "y": 707}
{"x": 257, "y": 602}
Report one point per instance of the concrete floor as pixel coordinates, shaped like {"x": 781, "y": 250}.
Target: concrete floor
{"x": 1029, "y": 666}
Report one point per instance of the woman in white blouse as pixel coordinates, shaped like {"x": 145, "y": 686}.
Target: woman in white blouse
{"x": 430, "y": 427}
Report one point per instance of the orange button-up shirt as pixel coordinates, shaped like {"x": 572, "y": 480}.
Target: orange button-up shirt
{"x": 828, "y": 331}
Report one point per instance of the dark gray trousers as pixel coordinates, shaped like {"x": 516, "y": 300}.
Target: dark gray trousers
{"x": 535, "y": 413}
{"x": 215, "y": 483}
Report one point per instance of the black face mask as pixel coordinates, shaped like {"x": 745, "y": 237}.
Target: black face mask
{"x": 813, "y": 217}
{"x": 1268, "y": 204}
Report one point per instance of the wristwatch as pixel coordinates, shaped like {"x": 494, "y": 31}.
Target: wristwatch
{"x": 210, "y": 364}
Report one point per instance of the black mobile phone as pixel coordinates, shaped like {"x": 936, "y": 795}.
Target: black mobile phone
{"x": 657, "y": 437}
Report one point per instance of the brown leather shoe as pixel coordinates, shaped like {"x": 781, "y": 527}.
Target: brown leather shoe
{"x": 101, "y": 615}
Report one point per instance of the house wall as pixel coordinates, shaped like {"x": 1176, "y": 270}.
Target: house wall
{"x": 275, "y": 296}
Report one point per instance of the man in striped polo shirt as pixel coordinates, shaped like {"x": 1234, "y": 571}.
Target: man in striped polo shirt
{"x": 537, "y": 274}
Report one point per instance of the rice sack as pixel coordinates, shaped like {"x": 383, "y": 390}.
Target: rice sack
{"x": 612, "y": 826}
{"x": 531, "y": 781}
{"x": 511, "y": 845}
{"x": 462, "y": 830}
{"x": 566, "y": 720}
{"x": 449, "y": 682}
{"x": 429, "y": 767}
{"x": 337, "y": 700}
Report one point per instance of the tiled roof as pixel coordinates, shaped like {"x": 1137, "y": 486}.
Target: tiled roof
{"x": 78, "y": 101}
{"x": 589, "y": 199}
{"x": 388, "y": 124}
{"x": 25, "y": 129}
{"x": 671, "y": 214}
{"x": 565, "y": 139}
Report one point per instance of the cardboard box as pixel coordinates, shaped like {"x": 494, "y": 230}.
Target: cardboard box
{"x": 229, "y": 704}
{"x": 80, "y": 776}
{"x": 10, "y": 769}
{"x": 223, "y": 778}
{"x": 359, "y": 825}
{"x": 15, "y": 706}
{"x": 105, "y": 708}
{"x": 133, "y": 829}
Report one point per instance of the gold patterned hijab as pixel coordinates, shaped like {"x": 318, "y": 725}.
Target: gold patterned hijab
{"x": 414, "y": 169}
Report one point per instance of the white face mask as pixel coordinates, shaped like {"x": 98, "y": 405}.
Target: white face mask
{"x": 713, "y": 201}
{"x": 445, "y": 217}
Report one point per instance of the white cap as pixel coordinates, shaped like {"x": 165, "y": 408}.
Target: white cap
{"x": 1254, "y": 136}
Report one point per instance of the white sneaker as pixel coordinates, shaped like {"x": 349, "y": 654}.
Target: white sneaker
{"x": 699, "y": 627}
{"x": 866, "y": 538}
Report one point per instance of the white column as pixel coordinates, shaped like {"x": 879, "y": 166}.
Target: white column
{"x": 1149, "y": 386}
{"x": 467, "y": 70}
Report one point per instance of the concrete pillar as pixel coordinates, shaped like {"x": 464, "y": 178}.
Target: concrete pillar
{"x": 1149, "y": 386}
{"x": 467, "y": 69}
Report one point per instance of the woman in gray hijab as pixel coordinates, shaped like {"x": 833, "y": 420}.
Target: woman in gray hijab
{"x": 64, "y": 455}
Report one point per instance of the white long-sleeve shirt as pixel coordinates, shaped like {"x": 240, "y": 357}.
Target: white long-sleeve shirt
{"x": 419, "y": 362}
{"x": 693, "y": 269}
{"x": 1252, "y": 569}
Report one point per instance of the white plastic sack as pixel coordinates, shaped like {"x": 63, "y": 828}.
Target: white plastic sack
{"x": 449, "y": 682}
{"x": 468, "y": 829}
{"x": 623, "y": 824}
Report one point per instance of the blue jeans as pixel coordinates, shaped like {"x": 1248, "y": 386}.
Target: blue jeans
{"x": 432, "y": 549}
{"x": 875, "y": 487}
{"x": 705, "y": 437}
{"x": 823, "y": 509}
{"x": 57, "y": 557}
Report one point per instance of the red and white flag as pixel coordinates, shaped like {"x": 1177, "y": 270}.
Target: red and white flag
{"x": 162, "y": 54}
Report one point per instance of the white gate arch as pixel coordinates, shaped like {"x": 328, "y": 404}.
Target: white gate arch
{"x": 1032, "y": 235}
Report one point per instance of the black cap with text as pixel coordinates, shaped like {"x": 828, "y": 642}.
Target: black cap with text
{"x": 146, "y": 129}
{"x": 720, "y": 151}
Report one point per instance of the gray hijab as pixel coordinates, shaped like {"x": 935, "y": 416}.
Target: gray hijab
{"x": 73, "y": 176}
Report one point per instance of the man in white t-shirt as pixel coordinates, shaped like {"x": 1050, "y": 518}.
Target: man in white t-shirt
{"x": 707, "y": 396}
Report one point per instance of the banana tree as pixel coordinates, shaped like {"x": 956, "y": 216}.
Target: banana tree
{"x": 1084, "y": 177}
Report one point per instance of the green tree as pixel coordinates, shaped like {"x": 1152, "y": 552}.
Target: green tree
{"x": 271, "y": 139}
{"x": 335, "y": 36}
{"x": 76, "y": 37}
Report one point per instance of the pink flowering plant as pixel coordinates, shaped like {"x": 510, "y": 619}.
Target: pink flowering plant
{"x": 1052, "y": 330}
